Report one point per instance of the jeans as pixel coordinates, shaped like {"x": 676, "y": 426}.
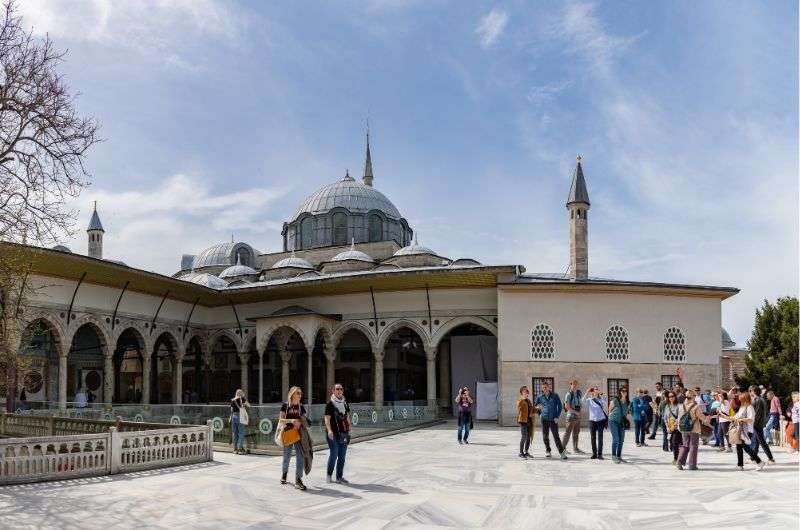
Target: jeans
{"x": 740, "y": 457}
{"x": 337, "y": 452}
{"x": 525, "y": 436}
{"x": 689, "y": 446}
{"x": 715, "y": 431}
{"x": 723, "y": 427}
{"x": 617, "y": 438}
{"x": 675, "y": 440}
{"x": 796, "y": 431}
{"x": 638, "y": 426}
{"x": 298, "y": 458}
{"x": 665, "y": 440}
{"x": 573, "y": 429}
{"x": 756, "y": 439}
{"x": 774, "y": 422}
{"x": 596, "y": 435}
{"x": 656, "y": 424}
{"x": 549, "y": 426}
{"x": 237, "y": 432}
{"x": 463, "y": 426}
{"x": 648, "y": 420}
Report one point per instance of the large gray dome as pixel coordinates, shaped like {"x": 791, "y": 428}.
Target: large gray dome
{"x": 348, "y": 193}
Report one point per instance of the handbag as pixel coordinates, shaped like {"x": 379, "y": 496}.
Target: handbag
{"x": 290, "y": 436}
{"x": 244, "y": 417}
{"x": 279, "y": 435}
{"x": 735, "y": 434}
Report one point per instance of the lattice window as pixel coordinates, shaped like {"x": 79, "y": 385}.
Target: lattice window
{"x": 669, "y": 381}
{"x": 614, "y": 385}
{"x": 617, "y": 344}
{"x": 674, "y": 346}
{"x": 543, "y": 343}
{"x": 536, "y": 385}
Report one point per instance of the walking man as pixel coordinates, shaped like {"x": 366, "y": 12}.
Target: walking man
{"x": 657, "y": 424}
{"x": 761, "y": 408}
{"x": 572, "y": 405}
{"x": 549, "y": 405}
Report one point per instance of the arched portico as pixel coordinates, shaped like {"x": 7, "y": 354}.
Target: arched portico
{"x": 41, "y": 348}
{"x": 162, "y": 370}
{"x": 128, "y": 365}
{"x": 88, "y": 365}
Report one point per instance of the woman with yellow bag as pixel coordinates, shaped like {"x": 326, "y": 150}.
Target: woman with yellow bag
{"x": 290, "y": 422}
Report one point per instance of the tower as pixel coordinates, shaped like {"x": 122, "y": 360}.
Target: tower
{"x": 95, "y": 232}
{"x": 578, "y": 207}
{"x": 368, "y": 166}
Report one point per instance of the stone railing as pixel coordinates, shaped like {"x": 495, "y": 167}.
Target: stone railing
{"x": 56, "y": 457}
{"x": 16, "y": 425}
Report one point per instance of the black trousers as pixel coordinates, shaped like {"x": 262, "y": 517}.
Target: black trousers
{"x": 596, "y": 435}
{"x": 675, "y": 439}
{"x": 525, "y": 436}
{"x": 740, "y": 457}
{"x": 549, "y": 426}
{"x": 758, "y": 439}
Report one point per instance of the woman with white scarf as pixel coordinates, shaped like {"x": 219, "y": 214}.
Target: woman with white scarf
{"x": 337, "y": 433}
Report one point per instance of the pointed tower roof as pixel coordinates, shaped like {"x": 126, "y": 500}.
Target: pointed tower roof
{"x": 368, "y": 165}
{"x": 577, "y": 190}
{"x": 94, "y": 222}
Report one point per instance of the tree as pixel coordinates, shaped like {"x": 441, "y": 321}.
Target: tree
{"x": 43, "y": 147}
{"x": 773, "y": 359}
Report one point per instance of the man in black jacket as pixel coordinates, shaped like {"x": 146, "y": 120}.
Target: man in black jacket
{"x": 761, "y": 408}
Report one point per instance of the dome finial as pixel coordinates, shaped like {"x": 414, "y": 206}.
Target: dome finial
{"x": 579, "y": 158}
{"x": 238, "y": 259}
{"x": 352, "y": 243}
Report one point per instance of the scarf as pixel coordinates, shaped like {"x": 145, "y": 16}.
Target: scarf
{"x": 339, "y": 404}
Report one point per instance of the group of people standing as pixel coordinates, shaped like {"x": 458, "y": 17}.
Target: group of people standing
{"x": 686, "y": 418}
{"x": 292, "y": 433}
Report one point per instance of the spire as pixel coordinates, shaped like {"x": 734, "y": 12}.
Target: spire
{"x": 94, "y": 222}
{"x": 577, "y": 190}
{"x": 352, "y": 243}
{"x": 368, "y": 164}
{"x": 347, "y": 177}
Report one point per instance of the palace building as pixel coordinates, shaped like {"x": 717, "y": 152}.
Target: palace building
{"x": 354, "y": 297}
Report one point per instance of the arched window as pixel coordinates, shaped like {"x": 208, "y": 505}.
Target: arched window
{"x": 375, "y": 228}
{"x": 244, "y": 257}
{"x": 307, "y": 232}
{"x": 617, "y": 344}
{"x": 543, "y": 343}
{"x": 674, "y": 346}
{"x": 339, "y": 228}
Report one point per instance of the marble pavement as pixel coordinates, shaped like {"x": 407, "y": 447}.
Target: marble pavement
{"x": 424, "y": 479}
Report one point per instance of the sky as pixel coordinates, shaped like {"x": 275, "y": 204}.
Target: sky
{"x": 218, "y": 118}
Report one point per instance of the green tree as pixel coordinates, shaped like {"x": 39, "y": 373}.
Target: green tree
{"x": 773, "y": 359}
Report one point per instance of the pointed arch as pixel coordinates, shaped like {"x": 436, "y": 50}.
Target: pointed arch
{"x": 216, "y": 334}
{"x": 263, "y": 339}
{"x": 340, "y": 332}
{"x": 98, "y": 326}
{"x": 453, "y": 323}
{"x": 399, "y": 324}
{"x": 326, "y": 334}
{"x": 52, "y": 325}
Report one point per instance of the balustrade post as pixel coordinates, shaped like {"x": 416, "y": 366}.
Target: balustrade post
{"x": 210, "y": 440}
{"x": 51, "y": 430}
{"x": 115, "y": 446}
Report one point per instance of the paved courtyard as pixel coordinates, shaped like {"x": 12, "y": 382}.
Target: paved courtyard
{"x": 424, "y": 479}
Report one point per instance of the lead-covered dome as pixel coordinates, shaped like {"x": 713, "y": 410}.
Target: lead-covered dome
{"x": 224, "y": 255}
{"x": 237, "y": 270}
{"x": 414, "y": 249}
{"x": 292, "y": 261}
{"x": 353, "y": 254}
{"x": 208, "y": 280}
{"x": 347, "y": 193}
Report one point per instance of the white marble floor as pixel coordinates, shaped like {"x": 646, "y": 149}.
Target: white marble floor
{"x": 424, "y": 479}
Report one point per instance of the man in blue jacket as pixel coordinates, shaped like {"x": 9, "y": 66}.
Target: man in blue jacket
{"x": 549, "y": 405}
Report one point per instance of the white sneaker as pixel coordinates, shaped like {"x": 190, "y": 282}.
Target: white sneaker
{"x": 760, "y": 466}
{"x": 329, "y": 479}
{"x": 740, "y": 468}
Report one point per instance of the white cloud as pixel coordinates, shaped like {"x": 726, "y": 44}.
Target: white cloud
{"x": 539, "y": 95}
{"x": 183, "y": 215}
{"x": 161, "y": 28}
{"x": 492, "y": 26}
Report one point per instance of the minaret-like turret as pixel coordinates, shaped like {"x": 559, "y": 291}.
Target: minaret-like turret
{"x": 578, "y": 207}
{"x": 368, "y": 166}
{"x": 95, "y": 232}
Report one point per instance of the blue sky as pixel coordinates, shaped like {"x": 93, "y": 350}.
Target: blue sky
{"x": 220, "y": 117}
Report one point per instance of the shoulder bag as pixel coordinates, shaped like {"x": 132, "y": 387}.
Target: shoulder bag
{"x": 735, "y": 434}
{"x": 244, "y": 417}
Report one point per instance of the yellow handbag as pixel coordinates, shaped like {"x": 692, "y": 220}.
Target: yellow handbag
{"x": 290, "y": 436}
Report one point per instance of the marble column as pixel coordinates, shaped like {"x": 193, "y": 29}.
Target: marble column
{"x": 178, "y": 381}
{"x": 330, "y": 370}
{"x": 62, "y": 381}
{"x": 147, "y": 363}
{"x": 244, "y": 359}
{"x": 378, "y": 391}
{"x": 286, "y": 356}
{"x": 430, "y": 355}
{"x": 261, "y": 378}
{"x": 444, "y": 372}
{"x": 309, "y": 376}
{"x": 108, "y": 376}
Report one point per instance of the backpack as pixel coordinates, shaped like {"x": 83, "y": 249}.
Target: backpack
{"x": 687, "y": 422}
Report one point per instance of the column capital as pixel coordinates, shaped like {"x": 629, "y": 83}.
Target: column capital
{"x": 286, "y": 355}
{"x": 431, "y": 352}
{"x": 244, "y": 357}
{"x": 330, "y": 354}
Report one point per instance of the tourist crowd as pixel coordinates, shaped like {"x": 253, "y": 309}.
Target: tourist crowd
{"x": 747, "y": 419}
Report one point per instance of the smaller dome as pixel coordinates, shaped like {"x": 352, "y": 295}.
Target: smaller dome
{"x": 413, "y": 249}
{"x": 292, "y": 261}
{"x": 237, "y": 270}
{"x": 62, "y": 248}
{"x": 208, "y": 280}
{"x": 727, "y": 342}
{"x": 352, "y": 254}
